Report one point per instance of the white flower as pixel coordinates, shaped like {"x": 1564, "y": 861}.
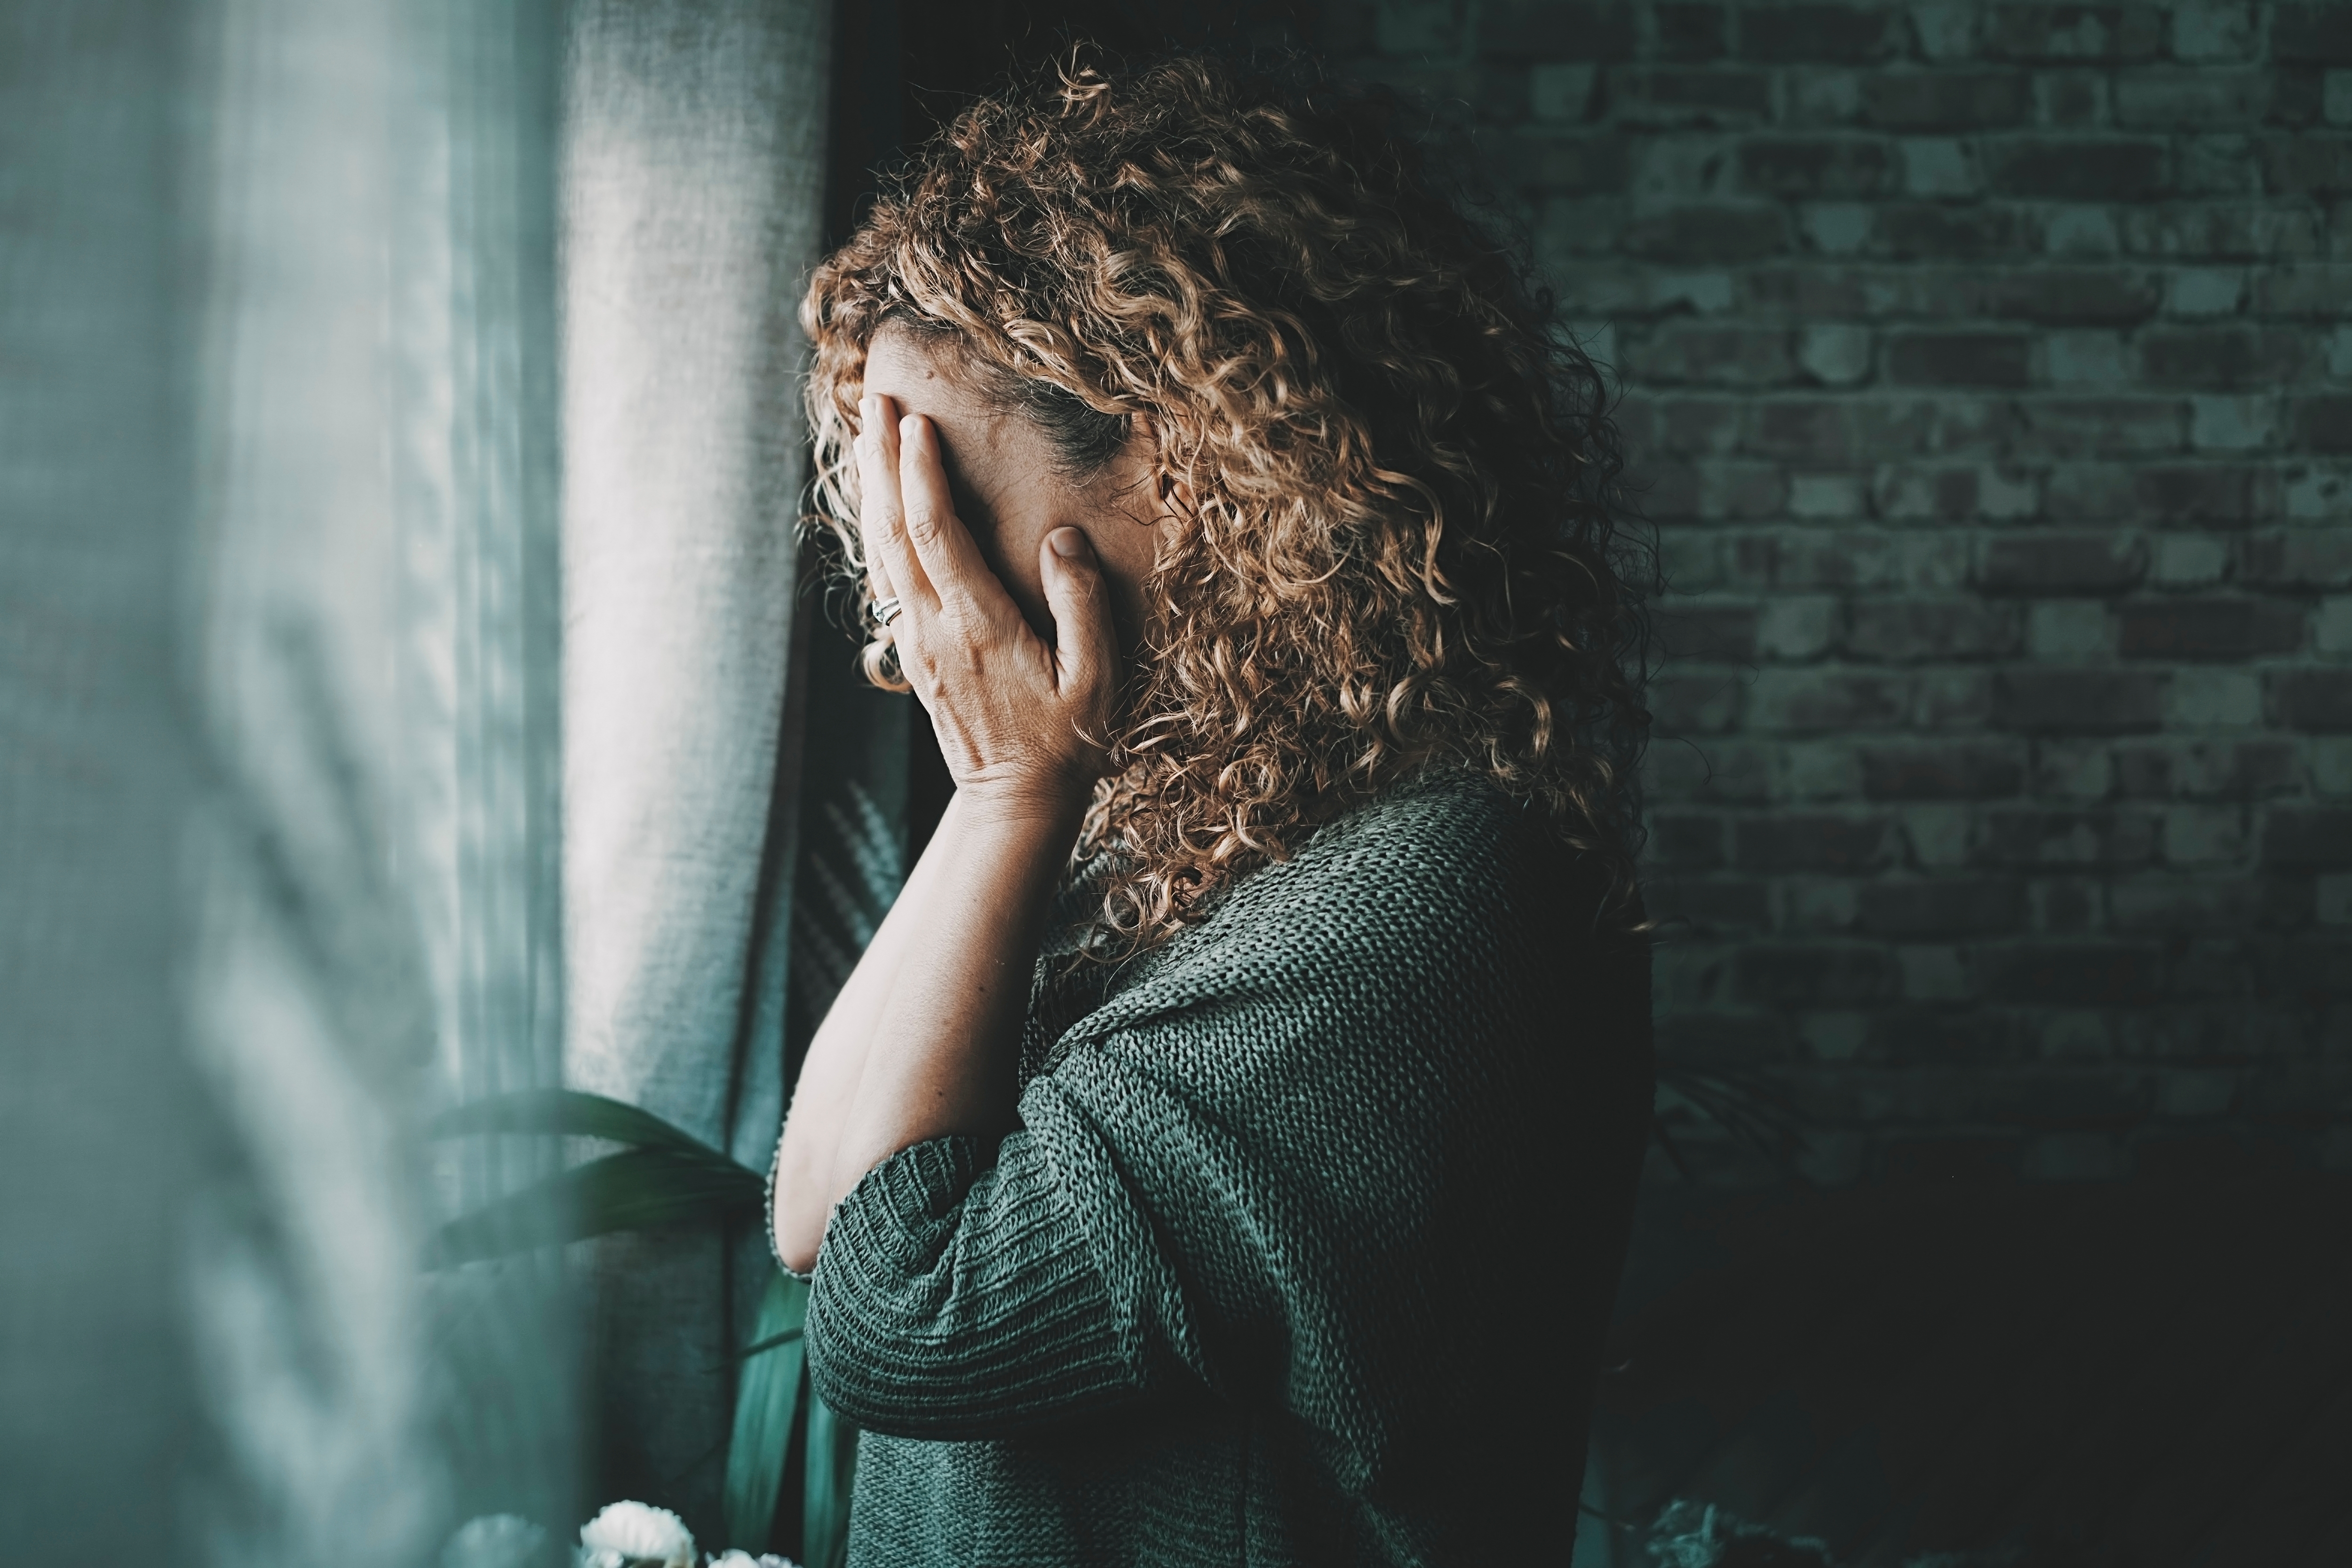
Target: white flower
{"x": 494, "y": 1541}
{"x": 745, "y": 1559}
{"x": 633, "y": 1532}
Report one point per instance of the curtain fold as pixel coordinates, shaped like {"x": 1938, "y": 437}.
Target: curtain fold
{"x": 692, "y": 188}
{"x": 377, "y": 922}
{"x": 277, "y": 768}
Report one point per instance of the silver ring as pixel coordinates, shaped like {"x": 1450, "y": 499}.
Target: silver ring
{"x": 886, "y": 610}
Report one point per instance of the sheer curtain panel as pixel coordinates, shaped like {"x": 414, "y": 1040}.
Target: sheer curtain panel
{"x": 693, "y": 183}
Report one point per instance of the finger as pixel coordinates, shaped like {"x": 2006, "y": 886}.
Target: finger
{"x": 951, "y": 558}
{"x": 889, "y": 561}
{"x": 1086, "y": 644}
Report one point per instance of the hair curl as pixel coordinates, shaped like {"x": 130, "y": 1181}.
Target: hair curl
{"x": 1402, "y": 543}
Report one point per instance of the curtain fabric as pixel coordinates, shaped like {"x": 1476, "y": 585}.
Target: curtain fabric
{"x": 692, "y": 184}
{"x": 278, "y": 436}
{"x": 377, "y": 926}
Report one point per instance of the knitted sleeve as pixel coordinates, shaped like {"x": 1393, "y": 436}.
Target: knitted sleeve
{"x": 957, "y": 1298}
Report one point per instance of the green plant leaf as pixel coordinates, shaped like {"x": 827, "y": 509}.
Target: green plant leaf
{"x": 567, "y": 1110}
{"x": 824, "y": 1498}
{"x": 770, "y": 1342}
{"x": 767, "y": 1404}
{"x": 636, "y": 1189}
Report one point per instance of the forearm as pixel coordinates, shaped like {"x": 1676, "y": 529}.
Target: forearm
{"x": 920, "y": 1041}
{"x": 941, "y": 1056}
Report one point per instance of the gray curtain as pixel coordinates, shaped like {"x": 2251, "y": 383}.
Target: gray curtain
{"x": 693, "y": 185}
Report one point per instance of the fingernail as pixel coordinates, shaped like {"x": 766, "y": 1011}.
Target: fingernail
{"x": 1067, "y": 543}
{"x": 912, "y": 424}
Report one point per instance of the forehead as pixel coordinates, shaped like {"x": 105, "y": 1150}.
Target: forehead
{"x": 917, "y": 371}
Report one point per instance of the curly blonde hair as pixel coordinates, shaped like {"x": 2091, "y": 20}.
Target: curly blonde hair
{"x": 1401, "y": 544}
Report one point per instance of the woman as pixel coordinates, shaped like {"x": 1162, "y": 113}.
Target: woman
{"x": 1224, "y": 1151}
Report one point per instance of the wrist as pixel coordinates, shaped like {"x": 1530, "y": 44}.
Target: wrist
{"x": 1050, "y": 807}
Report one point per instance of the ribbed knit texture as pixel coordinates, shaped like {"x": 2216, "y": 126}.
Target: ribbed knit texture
{"x": 1305, "y": 1248}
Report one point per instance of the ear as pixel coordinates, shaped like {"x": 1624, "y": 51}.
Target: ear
{"x": 1175, "y": 496}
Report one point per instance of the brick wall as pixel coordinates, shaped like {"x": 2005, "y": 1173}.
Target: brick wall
{"x": 1988, "y": 369}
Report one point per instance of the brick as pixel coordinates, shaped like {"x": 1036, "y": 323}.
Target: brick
{"x": 2314, "y": 34}
{"x": 1693, "y": 427}
{"x": 2163, "y": 904}
{"x": 2297, "y": 558}
{"x": 1933, "y": 906}
{"x": 1815, "y": 166}
{"x": 2202, "y": 492}
{"x": 2204, "y": 770}
{"x": 1947, "y": 424}
{"x": 1945, "y": 99}
{"x": 1728, "y": 773}
{"x": 2232, "y": 628}
{"x": 2312, "y": 970}
{"x": 2321, "y": 424}
{"x": 1816, "y": 975}
{"x": 1687, "y": 840}
{"x": 2104, "y": 426}
{"x": 2062, "y": 563}
{"x": 2307, "y": 163}
{"x": 1907, "y": 630}
{"x": 1561, "y": 93}
{"x": 1834, "y": 353}
{"x": 1786, "y": 842}
{"x": 2210, "y": 32}
{"x": 2024, "y": 836}
{"x": 2222, "y": 358}
{"x": 1837, "y": 35}
{"x": 1959, "y": 359}
{"x": 1936, "y": 231}
{"x": 2313, "y": 289}
{"x": 1689, "y": 701}
{"x": 1555, "y": 30}
{"x": 1710, "y": 96}
{"x": 2083, "y": 169}
{"x": 2053, "y": 34}
{"x": 1966, "y": 770}
{"x": 2113, "y": 296}
{"x": 1853, "y": 558}
{"x": 2216, "y": 163}
{"x": 2300, "y": 96}
{"x": 1820, "y": 701}
{"x": 1954, "y": 494}
{"x": 1811, "y": 290}
{"x": 2309, "y": 837}
{"x": 1715, "y": 633}
{"x": 1709, "y": 904}
{"x": 1561, "y": 165}
{"x": 2073, "y": 974}
{"x": 1812, "y": 431}
{"x": 1723, "y": 356}
{"x": 1691, "y": 32}
{"x": 2078, "y": 701}
{"x": 2071, "y": 98}
{"x": 2310, "y": 699}
{"x": 2173, "y": 99}
{"x": 1723, "y": 235}
{"x": 2223, "y": 231}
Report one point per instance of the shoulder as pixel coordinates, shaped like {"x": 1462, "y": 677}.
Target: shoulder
{"x": 1430, "y": 871}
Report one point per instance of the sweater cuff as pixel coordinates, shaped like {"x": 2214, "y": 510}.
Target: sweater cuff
{"x": 901, "y": 1210}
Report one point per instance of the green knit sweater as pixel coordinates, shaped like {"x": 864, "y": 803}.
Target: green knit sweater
{"x": 1304, "y": 1250}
